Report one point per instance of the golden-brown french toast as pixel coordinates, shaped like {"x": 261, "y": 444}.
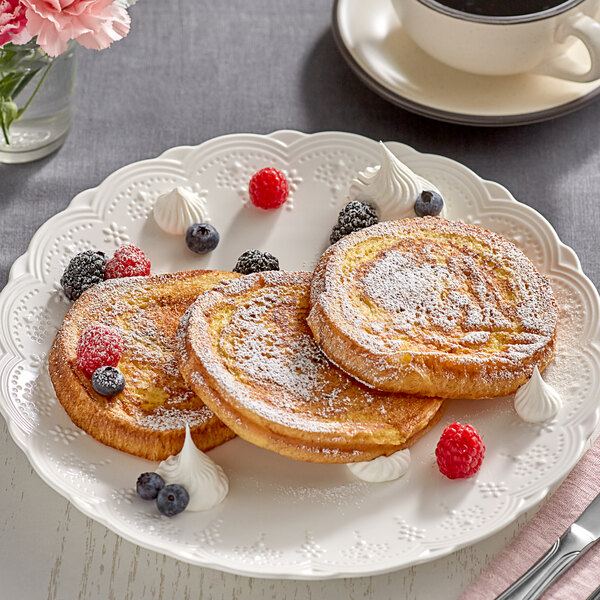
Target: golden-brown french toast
{"x": 433, "y": 307}
{"x": 246, "y": 350}
{"x": 148, "y": 418}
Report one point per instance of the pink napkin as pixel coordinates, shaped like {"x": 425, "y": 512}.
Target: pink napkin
{"x": 556, "y": 515}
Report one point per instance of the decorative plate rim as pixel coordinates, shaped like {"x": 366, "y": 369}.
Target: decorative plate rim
{"x": 23, "y": 266}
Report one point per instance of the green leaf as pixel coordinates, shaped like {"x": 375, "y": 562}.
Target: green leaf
{"x": 8, "y": 83}
{"x": 8, "y": 113}
{"x": 9, "y": 110}
{"x": 37, "y": 87}
{"x": 24, "y": 81}
{"x": 19, "y": 64}
{"x": 19, "y": 58}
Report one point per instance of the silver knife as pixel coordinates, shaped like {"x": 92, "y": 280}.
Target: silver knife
{"x": 563, "y": 554}
{"x": 595, "y": 595}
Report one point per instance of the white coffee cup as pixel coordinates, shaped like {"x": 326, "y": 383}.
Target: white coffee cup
{"x": 488, "y": 45}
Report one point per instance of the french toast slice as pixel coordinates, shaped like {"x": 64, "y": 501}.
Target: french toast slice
{"x": 148, "y": 418}
{"x": 433, "y": 307}
{"x": 246, "y": 350}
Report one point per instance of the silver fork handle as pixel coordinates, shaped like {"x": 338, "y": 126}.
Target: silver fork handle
{"x": 563, "y": 554}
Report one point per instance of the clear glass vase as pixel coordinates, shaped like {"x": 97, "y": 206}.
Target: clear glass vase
{"x": 35, "y": 101}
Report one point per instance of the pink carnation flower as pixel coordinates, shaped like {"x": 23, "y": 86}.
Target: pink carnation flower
{"x": 94, "y": 24}
{"x": 12, "y": 22}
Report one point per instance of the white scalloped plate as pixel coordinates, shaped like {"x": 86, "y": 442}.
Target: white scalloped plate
{"x": 284, "y": 518}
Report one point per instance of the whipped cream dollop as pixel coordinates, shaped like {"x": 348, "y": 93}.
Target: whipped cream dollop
{"x": 176, "y": 210}
{"x": 205, "y": 481}
{"x": 537, "y": 400}
{"x": 391, "y": 186}
{"x": 383, "y": 468}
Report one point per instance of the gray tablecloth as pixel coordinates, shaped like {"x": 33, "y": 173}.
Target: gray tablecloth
{"x": 191, "y": 70}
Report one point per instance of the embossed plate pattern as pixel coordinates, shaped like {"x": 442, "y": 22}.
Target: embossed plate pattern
{"x": 284, "y": 518}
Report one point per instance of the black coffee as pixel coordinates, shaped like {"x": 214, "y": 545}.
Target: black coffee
{"x": 501, "y": 8}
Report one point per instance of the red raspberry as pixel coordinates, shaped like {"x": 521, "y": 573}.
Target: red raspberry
{"x": 128, "y": 261}
{"x": 460, "y": 451}
{"x": 99, "y": 346}
{"x": 268, "y": 188}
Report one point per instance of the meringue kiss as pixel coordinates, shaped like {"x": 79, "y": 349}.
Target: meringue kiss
{"x": 176, "y": 210}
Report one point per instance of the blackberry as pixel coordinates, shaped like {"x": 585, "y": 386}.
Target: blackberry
{"x": 429, "y": 204}
{"x": 353, "y": 217}
{"x": 253, "y": 261}
{"x": 148, "y": 485}
{"x": 172, "y": 499}
{"x": 84, "y": 270}
{"x": 108, "y": 381}
{"x": 201, "y": 238}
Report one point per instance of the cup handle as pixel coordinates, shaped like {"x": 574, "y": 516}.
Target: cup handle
{"x": 588, "y": 31}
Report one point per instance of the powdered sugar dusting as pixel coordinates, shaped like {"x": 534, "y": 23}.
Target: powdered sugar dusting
{"x": 291, "y": 367}
{"x": 452, "y": 297}
{"x": 146, "y": 311}
{"x": 342, "y": 496}
{"x": 435, "y": 285}
{"x": 166, "y": 419}
{"x": 476, "y": 337}
{"x": 565, "y": 380}
{"x": 262, "y": 355}
{"x": 294, "y": 364}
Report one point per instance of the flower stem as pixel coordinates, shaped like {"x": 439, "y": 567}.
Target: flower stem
{"x": 37, "y": 87}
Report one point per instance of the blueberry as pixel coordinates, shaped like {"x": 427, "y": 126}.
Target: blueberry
{"x": 172, "y": 499}
{"x": 429, "y": 204}
{"x": 202, "y": 238}
{"x": 148, "y": 485}
{"x": 108, "y": 381}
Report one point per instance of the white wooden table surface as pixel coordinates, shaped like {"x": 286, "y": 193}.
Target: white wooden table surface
{"x": 48, "y": 549}
{"x": 213, "y": 78}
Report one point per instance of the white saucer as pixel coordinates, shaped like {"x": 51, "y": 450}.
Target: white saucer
{"x": 373, "y": 42}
